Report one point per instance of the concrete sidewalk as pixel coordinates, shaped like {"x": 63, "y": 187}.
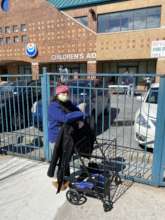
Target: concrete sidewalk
{"x": 26, "y": 193}
{"x": 139, "y": 202}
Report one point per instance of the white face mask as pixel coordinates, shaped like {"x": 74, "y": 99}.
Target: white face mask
{"x": 63, "y": 97}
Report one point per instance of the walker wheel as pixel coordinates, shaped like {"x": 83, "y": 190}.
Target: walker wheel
{"x": 108, "y": 205}
{"x": 118, "y": 180}
{"x": 75, "y": 197}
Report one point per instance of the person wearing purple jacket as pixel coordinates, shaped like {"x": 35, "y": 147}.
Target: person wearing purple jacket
{"x": 61, "y": 110}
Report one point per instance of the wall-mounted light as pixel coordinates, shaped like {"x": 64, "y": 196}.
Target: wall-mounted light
{"x": 93, "y": 14}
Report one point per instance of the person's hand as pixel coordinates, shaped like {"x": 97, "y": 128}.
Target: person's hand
{"x": 80, "y": 124}
{"x": 82, "y": 106}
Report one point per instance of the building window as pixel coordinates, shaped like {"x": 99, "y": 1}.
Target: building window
{"x": 83, "y": 20}
{"x": 16, "y": 39}
{"x": 1, "y": 30}
{"x": 1, "y": 41}
{"x": 8, "y": 40}
{"x": 126, "y": 21}
{"x": 153, "y": 17}
{"x": 114, "y": 24}
{"x": 23, "y": 27}
{"x": 15, "y": 28}
{"x": 139, "y": 21}
{"x": 24, "y": 38}
{"x": 129, "y": 20}
{"x": 7, "y": 29}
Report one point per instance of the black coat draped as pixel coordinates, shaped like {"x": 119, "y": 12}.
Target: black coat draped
{"x": 70, "y": 140}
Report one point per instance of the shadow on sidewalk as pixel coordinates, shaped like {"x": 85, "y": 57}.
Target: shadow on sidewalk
{"x": 121, "y": 190}
{"x": 12, "y": 167}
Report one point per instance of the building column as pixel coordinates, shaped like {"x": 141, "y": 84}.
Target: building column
{"x": 160, "y": 68}
{"x": 35, "y": 71}
{"x": 91, "y": 67}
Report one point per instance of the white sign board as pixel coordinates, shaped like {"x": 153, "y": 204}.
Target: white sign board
{"x": 76, "y": 56}
{"x": 158, "y": 49}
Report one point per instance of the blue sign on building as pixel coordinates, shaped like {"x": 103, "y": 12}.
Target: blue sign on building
{"x": 5, "y": 5}
{"x": 31, "y": 50}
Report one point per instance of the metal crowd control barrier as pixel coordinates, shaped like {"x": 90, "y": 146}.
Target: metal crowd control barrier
{"x": 121, "y": 107}
{"x": 19, "y": 134}
{"x": 118, "y": 107}
{"x": 158, "y": 168}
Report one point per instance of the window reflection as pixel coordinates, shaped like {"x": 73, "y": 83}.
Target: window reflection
{"x": 139, "y": 19}
{"x": 83, "y": 20}
{"x": 126, "y": 21}
{"x": 114, "y": 22}
{"x": 153, "y": 17}
{"x": 129, "y": 20}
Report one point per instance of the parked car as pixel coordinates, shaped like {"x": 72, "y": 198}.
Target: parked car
{"x": 16, "y": 99}
{"x": 145, "y": 118}
{"x": 125, "y": 85}
{"x": 87, "y": 94}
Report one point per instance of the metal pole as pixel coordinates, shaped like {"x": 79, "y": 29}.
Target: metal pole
{"x": 158, "y": 166}
{"x": 45, "y": 101}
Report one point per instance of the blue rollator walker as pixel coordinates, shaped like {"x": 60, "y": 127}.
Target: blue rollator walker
{"x": 95, "y": 175}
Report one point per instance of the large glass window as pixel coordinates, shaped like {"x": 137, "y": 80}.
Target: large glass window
{"x": 83, "y": 20}
{"x": 153, "y": 17}
{"x": 103, "y": 23}
{"x": 126, "y": 21}
{"x": 114, "y": 22}
{"x": 139, "y": 19}
{"x": 129, "y": 20}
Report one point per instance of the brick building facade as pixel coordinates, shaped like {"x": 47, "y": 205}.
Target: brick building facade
{"x": 81, "y": 38}
{"x": 58, "y": 37}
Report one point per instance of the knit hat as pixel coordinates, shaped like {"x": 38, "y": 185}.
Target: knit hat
{"x": 61, "y": 89}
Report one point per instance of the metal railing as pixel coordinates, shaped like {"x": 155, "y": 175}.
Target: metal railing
{"x": 118, "y": 107}
{"x": 19, "y": 134}
{"x": 124, "y": 112}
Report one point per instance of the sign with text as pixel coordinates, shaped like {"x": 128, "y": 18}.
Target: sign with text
{"x": 158, "y": 49}
{"x": 73, "y": 56}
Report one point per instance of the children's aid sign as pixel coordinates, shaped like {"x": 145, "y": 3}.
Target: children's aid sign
{"x": 74, "y": 56}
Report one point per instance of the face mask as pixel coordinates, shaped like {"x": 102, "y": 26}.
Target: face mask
{"x": 63, "y": 97}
